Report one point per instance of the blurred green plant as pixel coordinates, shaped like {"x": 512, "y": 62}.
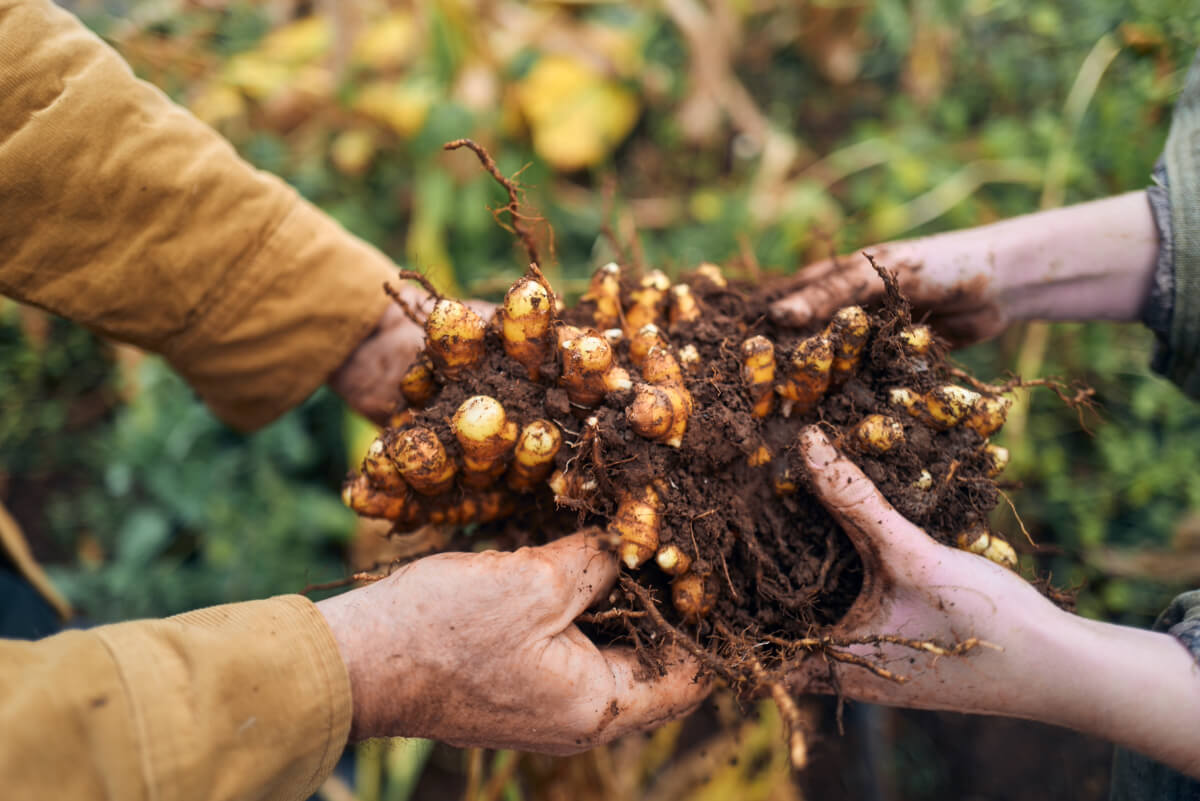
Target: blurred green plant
{"x": 761, "y": 135}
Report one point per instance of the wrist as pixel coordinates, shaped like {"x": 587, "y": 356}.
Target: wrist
{"x": 371, "y": 654}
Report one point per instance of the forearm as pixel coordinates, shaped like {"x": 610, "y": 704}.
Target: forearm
{"x": 1135, "y": 688}
{"x": 1091, "y": 261}
{"x": 1139, "y": 689}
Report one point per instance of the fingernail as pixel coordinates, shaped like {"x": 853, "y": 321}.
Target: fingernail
{"x": 818, "y": 451}
{"x": 792, "y": 311}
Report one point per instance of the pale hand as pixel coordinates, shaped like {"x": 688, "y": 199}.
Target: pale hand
{"x": 1093, "y": 261}
{"x": 1136, "y": 688}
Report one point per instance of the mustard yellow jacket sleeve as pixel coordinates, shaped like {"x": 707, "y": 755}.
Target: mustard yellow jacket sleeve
{"x": 120, "y": 210}
{"x": 245, "y": 701}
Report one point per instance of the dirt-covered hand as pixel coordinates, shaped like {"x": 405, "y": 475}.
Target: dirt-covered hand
{"x": 369, "y": 379}
{"x": 1093, "y": 261}
{"x": 954, "y": 290}
{"x": 917, "y": 589}
{"x": 482, "y": 650}
{"x": 1140, "y": 689}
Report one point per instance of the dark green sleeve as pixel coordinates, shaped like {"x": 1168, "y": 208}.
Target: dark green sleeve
{"x": 1135, "y": 777}
{"x": 1173, "y": 311}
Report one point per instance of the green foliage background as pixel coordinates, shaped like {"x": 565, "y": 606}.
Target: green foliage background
{"x": 894, "y": 119}
{"x": 950, "y": 114}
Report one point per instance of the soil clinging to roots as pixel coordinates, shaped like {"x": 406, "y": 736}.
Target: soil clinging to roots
{"x": 680, "y": 440}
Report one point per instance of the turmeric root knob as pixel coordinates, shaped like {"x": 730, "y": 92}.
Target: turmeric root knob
{"x": 534, "y": 454}
{"x": 948, "y": 405}
{"x": 359, "y": 495}
{"x": 877, "y": 433}
{"x": 417, "y": 384}
{"x": 589, "y": 372}
{"x": 642, "y": 341}
{"x": 693, "y": 596}
{"x": 672, "y": 560}
{"x": 652, "y": 412}
{"x": 987, "y": 415}
{"x": 661, "y": 407}
{"x": 758, "y": 371}
{"x": 422, "y": 460}
{"x": 997, "y": 459}
{"x": 487, "y": 437}
{"x": 713, "y": 274}
{"x": 848, "y": 330}
{"x": 684, "y": 308}
{"x": 983, "y": 542}
{"x": 916, "y": 340}
{"x": 380, "y": 472}
{"x": 454, "y": 336}
{"x": 605, "y": 291}
{"x": 525, "y": 320}
{"x": 647, "y": 300}
{"x": 808, "y": 375}
{"x": 570, "y": 486}
{"x": 636, "y": 523}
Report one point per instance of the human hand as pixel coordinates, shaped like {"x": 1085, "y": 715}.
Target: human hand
{"x": 481, "y": 650}
{"x": 957, "y": 296}
{"x": 917, "y": 589}
{"x": 1136, "y": 688}
{"x": 369, "y": 379}
{"x": 1093, "y": 261}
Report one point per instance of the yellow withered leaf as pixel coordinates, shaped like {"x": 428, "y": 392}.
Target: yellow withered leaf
{"x": 576, "y": 115}
{"x": 401, "y": 106}
{"x": 387, "y": 43}
{"x": 352, "y": 151}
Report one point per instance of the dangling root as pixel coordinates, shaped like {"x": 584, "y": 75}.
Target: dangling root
{"x": 789, "y": 713}
{"x": 513, "y": 207}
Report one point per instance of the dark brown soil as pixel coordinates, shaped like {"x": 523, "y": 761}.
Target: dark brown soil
{"x": 779, "y": 566}
{"x": 774, "y": 564}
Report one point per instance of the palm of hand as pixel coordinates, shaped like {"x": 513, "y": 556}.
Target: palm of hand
{"x": 917, "y": 589}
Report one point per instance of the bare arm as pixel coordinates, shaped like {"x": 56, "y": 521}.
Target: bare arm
{"x": 1135, "y": 688}
{"x": 1093, "y": 261}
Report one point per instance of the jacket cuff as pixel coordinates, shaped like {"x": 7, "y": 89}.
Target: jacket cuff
{"x": 1178, "y": 357}
{"x": 245, "y": 700}
{"x": 285, "y": 321}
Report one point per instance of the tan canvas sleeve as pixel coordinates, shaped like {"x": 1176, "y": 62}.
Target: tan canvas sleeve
{"x": 244, "y": 701}
{"x": 120, "y": 210}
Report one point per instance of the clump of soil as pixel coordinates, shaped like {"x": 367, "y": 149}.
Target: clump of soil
{"x": 773, "y": 567}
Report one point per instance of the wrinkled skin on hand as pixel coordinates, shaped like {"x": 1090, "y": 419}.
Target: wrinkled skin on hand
{"x": 369, "y": 379}
{"x": 917, "y": 588}
{"x": 481, "y": 650}
{"x": 958, "y": 294}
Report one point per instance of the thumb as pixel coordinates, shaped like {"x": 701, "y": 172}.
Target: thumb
{"x": 642, "y": 698}
{"x": 584, "y": 570}
{"x": 825, "y": 287}
{"x": 871, "y": 523}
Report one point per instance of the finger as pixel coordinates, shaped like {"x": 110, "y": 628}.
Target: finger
{"x": 583, "y": 570}
{"x": 640, "y": 698}
{"x": 872, "y": 524}
{"x": 828, "y": 287}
